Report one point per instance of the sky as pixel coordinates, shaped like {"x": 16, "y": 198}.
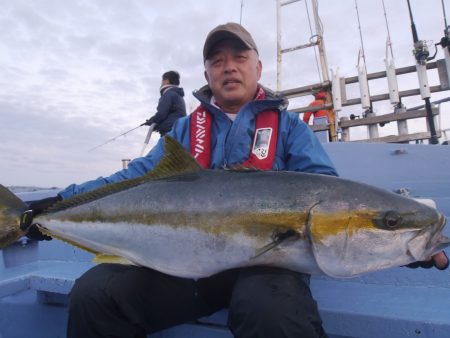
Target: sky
{"x": 74, "y": 74}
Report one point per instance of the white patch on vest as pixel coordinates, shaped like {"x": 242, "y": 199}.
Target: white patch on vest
{"x": 200, "y": 121}
{"x": 261, "y": 142}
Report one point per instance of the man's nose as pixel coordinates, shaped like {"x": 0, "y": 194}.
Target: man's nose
{"x": 229, "y": 65}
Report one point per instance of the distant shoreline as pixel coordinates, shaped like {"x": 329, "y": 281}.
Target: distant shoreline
{"x": 20, "y": 189}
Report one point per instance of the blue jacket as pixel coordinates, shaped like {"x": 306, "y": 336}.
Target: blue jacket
{"x": 297, "y": 147}
{"x": 171, "y": 106}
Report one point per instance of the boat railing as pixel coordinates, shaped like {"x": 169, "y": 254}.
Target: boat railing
{"x": 368, "y": 118}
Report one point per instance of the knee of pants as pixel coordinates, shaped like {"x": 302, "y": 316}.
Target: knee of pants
{"x": 274, "y": 303}
{"x": 259, "y": 310}
{"x": 91, "y": 285}
{"x": 268, "y": 290}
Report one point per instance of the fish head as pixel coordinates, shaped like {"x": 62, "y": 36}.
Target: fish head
{"x": 9, "y": 227}
{"x": 374, "y": 231}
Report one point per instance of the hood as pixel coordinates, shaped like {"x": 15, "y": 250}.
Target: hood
{"x": 174, "y": 88}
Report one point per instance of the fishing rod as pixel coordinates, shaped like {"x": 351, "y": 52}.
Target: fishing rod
{"x": 445, "y": 43}
{"x": 391, "y": 76}
{"x": 389, "y": 42}
{"x": 116, "y": 137}
{"x": 362, "y": 71}
{"x": 445, "y": 21}
{"x": 421, "y": 55}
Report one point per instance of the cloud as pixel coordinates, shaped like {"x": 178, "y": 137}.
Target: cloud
{"x": 75, "y": 74}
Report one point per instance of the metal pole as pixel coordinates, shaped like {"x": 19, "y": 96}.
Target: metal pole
{"x": 125, "y": 162}
{"x": 434, "y": 138}
{"x": 279, "y": 66}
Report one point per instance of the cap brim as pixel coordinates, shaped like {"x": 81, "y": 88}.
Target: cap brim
{"x": 219, "y": 36}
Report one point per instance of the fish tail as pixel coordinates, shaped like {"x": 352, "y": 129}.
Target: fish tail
{"x": 11, "y": 209}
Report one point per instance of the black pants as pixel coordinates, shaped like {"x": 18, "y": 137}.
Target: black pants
{"x": 126, "y": 301}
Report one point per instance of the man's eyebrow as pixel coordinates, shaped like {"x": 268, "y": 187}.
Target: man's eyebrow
{"x": 214, "y": 53}
{"x": 221, "y": 49}
{"x": 218, "y": 50}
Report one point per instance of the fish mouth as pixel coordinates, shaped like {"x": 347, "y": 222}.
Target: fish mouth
{"x": 429, "y": 241}
{"x": 441, "y": 240}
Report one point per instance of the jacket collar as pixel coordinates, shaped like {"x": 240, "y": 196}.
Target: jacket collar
{"x": 165, "y": 88}
{"x": 273, "y": 101}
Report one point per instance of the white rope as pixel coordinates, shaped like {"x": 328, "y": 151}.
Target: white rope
{"x": 311, "y": 40}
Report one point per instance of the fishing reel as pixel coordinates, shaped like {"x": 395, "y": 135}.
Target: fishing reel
{"x": 445, "y": 42}
{"x": 421, "y": 52}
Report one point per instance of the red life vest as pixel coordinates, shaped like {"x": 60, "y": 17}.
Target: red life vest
{"x": 318, "y": 113}
{"x": 264, "y": 144}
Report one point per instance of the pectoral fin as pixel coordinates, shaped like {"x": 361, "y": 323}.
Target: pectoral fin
{"x": 279, "y": 237}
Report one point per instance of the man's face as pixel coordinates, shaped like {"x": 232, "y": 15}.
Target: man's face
{"x": 232, "y": 72}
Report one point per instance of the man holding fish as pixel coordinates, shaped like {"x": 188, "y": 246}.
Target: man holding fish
{"x": 238, "y": 123}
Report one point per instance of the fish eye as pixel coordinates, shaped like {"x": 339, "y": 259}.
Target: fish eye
{"x": 392, "y": 219}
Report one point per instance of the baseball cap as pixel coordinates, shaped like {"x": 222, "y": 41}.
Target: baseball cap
{"x": 228, "y": 30}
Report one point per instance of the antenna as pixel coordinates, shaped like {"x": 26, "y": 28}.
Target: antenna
{"x": 242, "y": 5}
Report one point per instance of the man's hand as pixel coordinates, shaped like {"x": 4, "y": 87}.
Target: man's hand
{"x": 439, "y": 261}
{"x": 35, "y": 208}
{"x": 148, "y": 122}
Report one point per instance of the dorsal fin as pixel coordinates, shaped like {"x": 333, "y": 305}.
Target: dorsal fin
{"x": 176, "y": 161}
{"x": 10, "y": 201}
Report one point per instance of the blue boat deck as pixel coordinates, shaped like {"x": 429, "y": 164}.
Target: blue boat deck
{"x": 35, "y": 278}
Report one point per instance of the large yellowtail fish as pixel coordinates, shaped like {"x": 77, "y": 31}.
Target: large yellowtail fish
{"x": 190, "y": 222}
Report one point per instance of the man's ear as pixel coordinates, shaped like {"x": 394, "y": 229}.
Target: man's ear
{"x": 259, "y": 69}
{"x": 205, "y": 73}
